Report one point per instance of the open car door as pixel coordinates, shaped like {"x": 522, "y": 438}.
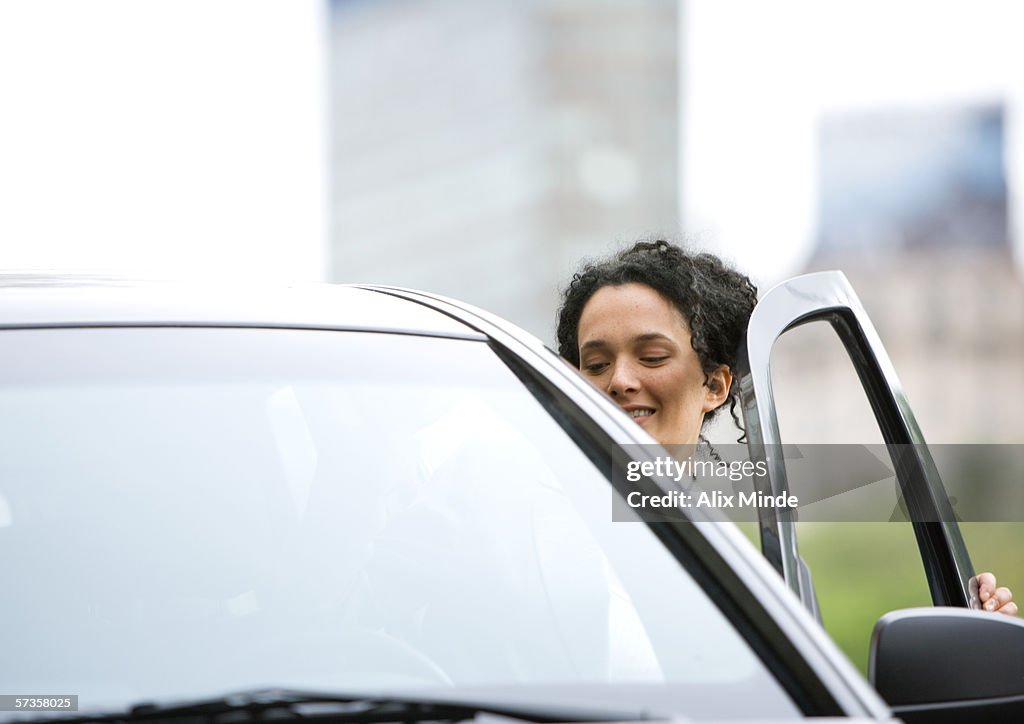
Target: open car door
{"x": 828, "y": 296}
{"x": 930, "y": 664}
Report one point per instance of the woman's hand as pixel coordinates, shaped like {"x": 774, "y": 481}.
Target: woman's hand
{"x": 997, "y": 600}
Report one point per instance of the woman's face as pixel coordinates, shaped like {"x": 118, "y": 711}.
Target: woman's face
{"x": 635, "y": 345}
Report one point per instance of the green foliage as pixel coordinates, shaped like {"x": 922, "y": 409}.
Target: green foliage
{"x": 863, "y": 570}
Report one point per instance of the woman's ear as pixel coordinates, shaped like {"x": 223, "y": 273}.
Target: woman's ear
{"x": 717, "y": 387}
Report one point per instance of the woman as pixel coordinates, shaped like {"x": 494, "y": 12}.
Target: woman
{"x": 658, "y": 329}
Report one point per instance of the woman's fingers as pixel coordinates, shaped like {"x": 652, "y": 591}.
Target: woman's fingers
{"x": 1010, "y": 609}
{"x": 999, "y": 598}
{"x": 986, "y": 586}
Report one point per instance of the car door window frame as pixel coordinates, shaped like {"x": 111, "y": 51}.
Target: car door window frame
{"x": 828, "y": 296}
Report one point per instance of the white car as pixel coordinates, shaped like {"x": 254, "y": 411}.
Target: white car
{"x": 369, "y": 504}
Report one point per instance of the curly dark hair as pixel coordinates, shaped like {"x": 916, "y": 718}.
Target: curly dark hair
{"x": 715, "y": 300}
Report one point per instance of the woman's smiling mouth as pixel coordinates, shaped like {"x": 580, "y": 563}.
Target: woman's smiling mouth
{"x": 640, "y": 415}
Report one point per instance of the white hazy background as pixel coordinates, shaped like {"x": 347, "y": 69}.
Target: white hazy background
{"x": 182, "y": 139}
{"x": 757, "y": 77}
{"x": 189, "y": 138}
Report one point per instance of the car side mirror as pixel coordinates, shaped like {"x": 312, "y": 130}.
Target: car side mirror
{"x": 949, "y": 664}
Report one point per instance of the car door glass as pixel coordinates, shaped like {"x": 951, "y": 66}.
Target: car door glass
{"x": 863, "y": 564}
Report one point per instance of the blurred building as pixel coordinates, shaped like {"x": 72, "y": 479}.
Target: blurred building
{"x": 481, "y": 149}
{"x": 913, "y": 208}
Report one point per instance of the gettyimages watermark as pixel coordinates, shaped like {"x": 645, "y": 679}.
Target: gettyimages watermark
{"x": 821, "y": 483}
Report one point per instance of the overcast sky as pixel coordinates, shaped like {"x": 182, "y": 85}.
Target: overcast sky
{"x": 180, "y": 138}
{"x": 188, "y": 138}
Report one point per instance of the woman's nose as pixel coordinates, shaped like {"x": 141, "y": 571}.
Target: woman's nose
{"x": 623, "y": 380}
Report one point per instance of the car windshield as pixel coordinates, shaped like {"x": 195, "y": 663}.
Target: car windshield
{"x": 190, "y": 511}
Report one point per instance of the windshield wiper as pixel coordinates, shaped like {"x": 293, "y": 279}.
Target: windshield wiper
{"x": 269, "y": 705}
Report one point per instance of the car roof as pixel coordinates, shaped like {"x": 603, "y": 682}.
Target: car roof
{"x": 63, "y": 300}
